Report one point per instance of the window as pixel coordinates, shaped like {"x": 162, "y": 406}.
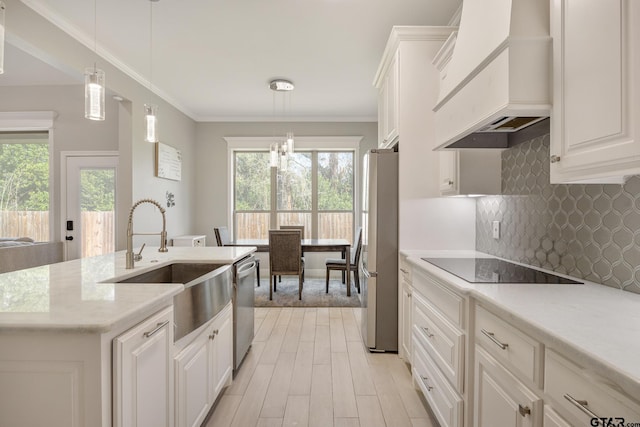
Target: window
{"x": 24, "y": 185}
{"x": 316, "y": 190}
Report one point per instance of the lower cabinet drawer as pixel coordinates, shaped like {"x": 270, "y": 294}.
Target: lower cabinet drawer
{"x": 443, "y": 341}
{"x": 444, "y": 401}
{"x": 582, "y": 397}
{"x": 510, "y": 345}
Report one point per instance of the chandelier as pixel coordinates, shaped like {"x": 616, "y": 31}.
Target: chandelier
{"x": 281, "y": 150}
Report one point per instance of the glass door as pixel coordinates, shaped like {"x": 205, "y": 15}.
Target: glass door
{"x": 89, "y": 228}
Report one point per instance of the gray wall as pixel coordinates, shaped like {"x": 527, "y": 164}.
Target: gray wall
{"x": 589, "y": 231}
{"x": 212, "y": 163}
{"x": 124, "y": 125}
{"x": 72, "y": 132}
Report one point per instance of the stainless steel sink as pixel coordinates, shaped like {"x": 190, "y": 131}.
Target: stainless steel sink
{"x": 207, "y": 291}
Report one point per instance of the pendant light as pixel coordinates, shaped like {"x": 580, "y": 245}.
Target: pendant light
{"x": 280, "y": 151}
{"x": 2, "y": 7}
{"x": 94, "y": 82}
{"x": 151, "y": 110}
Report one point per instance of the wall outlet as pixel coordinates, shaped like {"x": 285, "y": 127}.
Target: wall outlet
{"x": 496, "y": 230}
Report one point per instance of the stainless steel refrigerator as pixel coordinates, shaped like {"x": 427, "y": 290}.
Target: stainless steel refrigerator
{"x": 379, "y": 267}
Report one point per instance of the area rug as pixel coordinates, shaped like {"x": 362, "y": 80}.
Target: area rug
{"x": 313, "y": 294}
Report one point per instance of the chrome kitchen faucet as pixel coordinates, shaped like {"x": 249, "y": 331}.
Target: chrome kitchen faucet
{"x": 163, "y": 234}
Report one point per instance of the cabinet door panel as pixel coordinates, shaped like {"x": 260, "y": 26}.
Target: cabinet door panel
{"x": 143, "y": 375}
{"x": 501, "y": 399}
{"x": 192, "y": 368}
{"x": 594, "y": 134}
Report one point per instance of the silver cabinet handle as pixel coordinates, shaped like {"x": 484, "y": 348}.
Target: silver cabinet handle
{"x": 426, "y": 384}
{"x": 404, "y": 271}
{"x": 491, "y": 336}
{"x": 555, "y": 158}
{"x": 213, "y": 334}
{"x": 448, "y": 181}
{"x": 581, "y": 404}
{"x": 156, "y": 329}
{"x": 427, "y": 331}
{"x": 524, "y": 410}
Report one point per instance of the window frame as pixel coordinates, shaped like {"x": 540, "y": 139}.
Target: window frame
{"x": 303, "y": 144}
{"x": 36, "y": 121}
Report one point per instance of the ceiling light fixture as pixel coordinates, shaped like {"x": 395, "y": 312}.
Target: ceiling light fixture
{"x": 94, "y": 82}
{"x": 151, "y": 110}
{"x": 280, "y": 151}
{"x": 2, "y": 7}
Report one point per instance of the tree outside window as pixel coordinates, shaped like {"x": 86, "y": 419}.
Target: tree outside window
{"x": 316, "y": 190}
{"x": 24, "y": 186}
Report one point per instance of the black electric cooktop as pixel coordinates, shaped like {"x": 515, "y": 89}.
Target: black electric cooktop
{"x": 493, "y": 270}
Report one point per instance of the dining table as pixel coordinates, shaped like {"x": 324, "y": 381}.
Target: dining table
{"x": 308, "y": 245}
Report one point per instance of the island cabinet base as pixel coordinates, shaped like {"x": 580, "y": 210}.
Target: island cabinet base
{"x": 57, "y": 378}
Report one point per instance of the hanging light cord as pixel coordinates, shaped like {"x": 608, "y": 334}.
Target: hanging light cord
{"x": 151, "y": 44}
{"x": 95, "y": 32}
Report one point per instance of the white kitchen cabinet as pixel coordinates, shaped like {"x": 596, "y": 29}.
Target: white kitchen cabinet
{"x": 221, "y": 353}
{"x": 388, "y": 105}
{"x": 581, "y": 396}
{"x": 202, "y": 368}
{"x": 439, "y": 321}
{"x": 500, "y": 398}
{"x": 143, "y": 374}
{"x": 595, "y": 131}
{"x": 405, "y": 322}
{"x": 470, "y": 172}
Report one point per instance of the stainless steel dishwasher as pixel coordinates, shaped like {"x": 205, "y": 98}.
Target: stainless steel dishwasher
{"x": 244, "y": 275}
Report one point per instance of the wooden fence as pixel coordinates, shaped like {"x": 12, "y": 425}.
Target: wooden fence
{"x": 331, "y": 225}
{"x": 97, "y": 231}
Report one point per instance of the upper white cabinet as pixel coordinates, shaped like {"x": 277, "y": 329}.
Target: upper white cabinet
{"x": 595, "y": 121}
{"x": 143, "y": 375}
{"x": 388, "y": 105}
{"x": 470, "y": 172}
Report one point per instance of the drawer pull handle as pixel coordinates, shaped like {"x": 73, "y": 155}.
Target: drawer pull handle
{"x": 157, "y": 328}
{"x": 213, "y": 334}
{"x": 492, "y": 337}
{"x": 581, "y": 404}
{"x": 524, "y": 410}
{"x": 404, "y": 271}
{"x": 426, "y": 384}
{"x": 427, "y": 331}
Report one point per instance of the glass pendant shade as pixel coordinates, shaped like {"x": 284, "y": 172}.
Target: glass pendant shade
{"x": 275, "y": 155}
{"x": 151, "y": 122}
{"x": 1, "y": 37}
{"x": 94, "y": 94}
{"x": 290, "y": 142}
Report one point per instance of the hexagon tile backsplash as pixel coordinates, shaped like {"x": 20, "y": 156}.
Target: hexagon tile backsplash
{"x": 590, "y": 231}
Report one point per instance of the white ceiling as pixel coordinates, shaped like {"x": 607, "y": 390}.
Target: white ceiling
{"x": 213, "y": 59}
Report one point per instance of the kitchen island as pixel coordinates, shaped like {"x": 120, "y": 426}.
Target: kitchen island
{"x": 58, "y": 326}
{"x": 562, "y": 353}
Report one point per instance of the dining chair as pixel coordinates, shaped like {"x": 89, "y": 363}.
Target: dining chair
{"x": 295, "y": 227}
{"x": 285, "y": 257}
{"x": 341, "y": 264}
{"x": 222, "y": 239}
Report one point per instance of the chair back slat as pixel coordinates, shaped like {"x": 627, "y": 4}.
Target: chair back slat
{"x": 358, "y": 247}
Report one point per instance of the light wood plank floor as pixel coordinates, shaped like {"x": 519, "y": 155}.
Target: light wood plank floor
{"x": 309, "y": 367}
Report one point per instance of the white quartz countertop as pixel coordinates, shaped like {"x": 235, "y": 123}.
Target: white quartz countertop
{"x": 597, "y": 326}
{"x": 81, "y": 295}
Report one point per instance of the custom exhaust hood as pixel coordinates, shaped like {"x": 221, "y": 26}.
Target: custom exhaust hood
{"x": 495, "y": 75}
